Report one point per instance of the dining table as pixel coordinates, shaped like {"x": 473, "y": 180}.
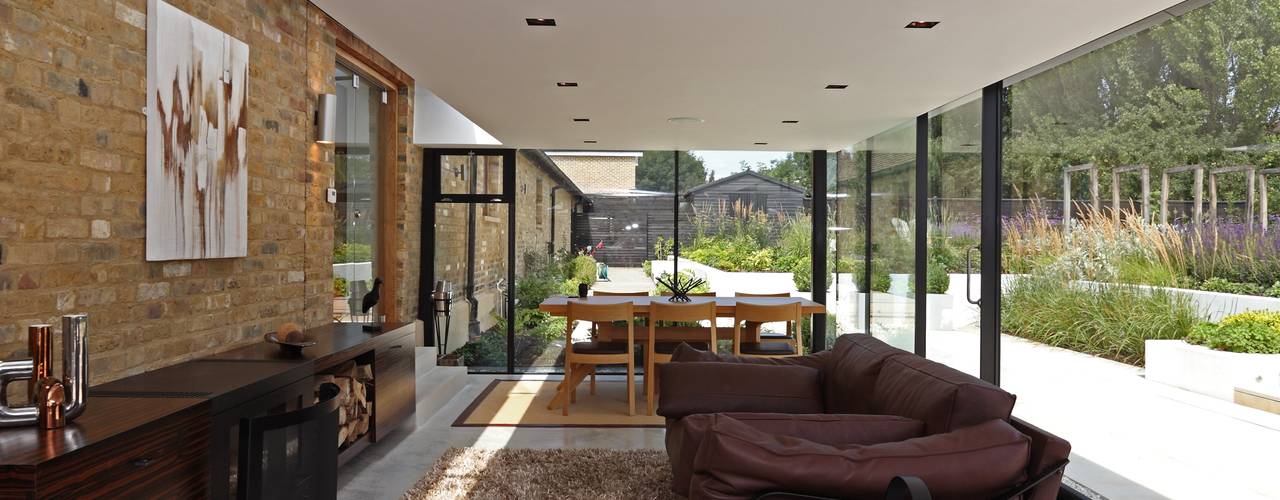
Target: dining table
{"x": 725, "y": 308}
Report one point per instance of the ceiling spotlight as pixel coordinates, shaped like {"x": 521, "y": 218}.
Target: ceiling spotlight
{"x": 581, "y": 119}
{"x": 685, "y": 119}
{"x": 922, "y": 25}
{"x": 540, "y": 21}
{"x": 588, "y": 142}
{"x": 566, "y": 84}
{"x": 790, "y": 122}
{"x": 837, "y": 86}
{"x": 762, "y": 144}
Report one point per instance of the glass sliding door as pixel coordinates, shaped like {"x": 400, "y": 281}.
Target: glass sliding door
{"x": 892, "y": 158}
{"x": 847, "y": 240}
{"x": 953, "y": 276}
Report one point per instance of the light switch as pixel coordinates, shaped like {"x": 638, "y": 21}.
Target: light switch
{"x": 331, "y": 195}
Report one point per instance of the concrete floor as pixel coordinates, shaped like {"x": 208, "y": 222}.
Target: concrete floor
{"x": 387, "y": 469}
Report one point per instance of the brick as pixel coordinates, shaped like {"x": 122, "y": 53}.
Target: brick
{"x": 153, "y": 291}
{"x": 100, "y": 229}
{"x": 100, "y": 161}
{"x": 66, "y": 228}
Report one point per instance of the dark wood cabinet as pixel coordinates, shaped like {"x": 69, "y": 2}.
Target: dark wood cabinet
{"x": 172, "y": 432}
{"x": 119, "y": 448}
{"x": 393, "y": 385}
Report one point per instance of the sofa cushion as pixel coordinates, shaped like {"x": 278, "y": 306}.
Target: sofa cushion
{"x": 684, "y": 436}
{"x": 690, "y": 355}
{"x": 944, "y": 398}
{"x": 735, "y": 460}
{"x": 850, "y": 372}
{"x": 688, "y": 388}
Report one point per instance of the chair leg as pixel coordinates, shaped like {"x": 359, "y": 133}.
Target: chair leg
{"x": 564, "y": 388}
{"x": 593, "y": 380}
{"x": 631, "y": 387}
{"x": 650, "y": 383}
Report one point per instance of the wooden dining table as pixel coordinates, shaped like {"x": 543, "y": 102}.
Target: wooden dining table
{"x": 725, "y": 308}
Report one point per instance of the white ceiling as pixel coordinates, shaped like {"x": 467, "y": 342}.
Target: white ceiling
{"x": 741, "y": 65}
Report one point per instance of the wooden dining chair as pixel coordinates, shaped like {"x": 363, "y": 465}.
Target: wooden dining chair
{"x": 587, "y": 355}
{"x": 660, "y": 352}
{"x": 766, "y": 336}
{"x": 758, "y": 313}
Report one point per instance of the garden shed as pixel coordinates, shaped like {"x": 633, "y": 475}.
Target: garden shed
{"x": 753, "y": 189}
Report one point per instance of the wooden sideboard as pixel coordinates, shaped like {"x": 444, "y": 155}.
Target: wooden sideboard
{"x": 173, "y": 432}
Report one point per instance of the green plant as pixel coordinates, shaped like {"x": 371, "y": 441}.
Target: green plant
{"x": 340, "y": 287}
{"x": 1274, "y": 291}
{"x": 936, "y": 279}
{"x": 647, "y": 266}
{"x": 880, "y": 279}
{"x": 1224, "y": 286}
{"x": 352, "y": 252}
{"x": 685, "y": 275}
{"x": 581, "y": 268}
{"x": 1113, "y": 321}
{"x": 1250, "y": 332}
{"x": 662, "y": 248}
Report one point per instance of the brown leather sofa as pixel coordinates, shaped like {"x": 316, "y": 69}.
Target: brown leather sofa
{"x": 845, "y": 423}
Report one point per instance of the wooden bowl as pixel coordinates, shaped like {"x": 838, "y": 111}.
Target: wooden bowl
{"x": 290, "y": 338}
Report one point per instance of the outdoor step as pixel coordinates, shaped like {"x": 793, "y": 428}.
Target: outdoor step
{"x": 436, "y": 387}
{"x": 424, "y": 357}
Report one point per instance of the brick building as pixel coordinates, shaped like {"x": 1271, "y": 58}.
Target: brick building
{"x": 598, "y": 171}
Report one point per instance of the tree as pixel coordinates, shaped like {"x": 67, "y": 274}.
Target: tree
{"x": 654, "y": 172}
{"x": 795, "y": 169}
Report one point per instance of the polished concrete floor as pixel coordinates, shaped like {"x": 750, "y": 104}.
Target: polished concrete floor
{"x": 387, "y": 469}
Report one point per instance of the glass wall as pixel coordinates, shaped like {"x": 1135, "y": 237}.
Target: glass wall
{"x": 953, "y": 277}
{"x": 892, "y": 215}
{"x": 355, "y": 216}
{"x": 847, "y": 240}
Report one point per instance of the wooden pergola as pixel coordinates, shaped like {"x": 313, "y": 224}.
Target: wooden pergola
{"x": 1146, "y": 190}
{"x": 1197, "y": 194}
{"x": 1066, "y": 189}
{"x": 1248, "y": 171}
{"x": 1262, "y": 194}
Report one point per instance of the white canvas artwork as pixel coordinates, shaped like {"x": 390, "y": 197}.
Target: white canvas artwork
{"x": 197, "y": 107}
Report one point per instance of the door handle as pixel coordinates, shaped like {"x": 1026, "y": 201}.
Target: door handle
{"x": 968, "y": 277}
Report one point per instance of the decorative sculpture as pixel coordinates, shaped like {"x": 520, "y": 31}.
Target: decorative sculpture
{"x": 680, "y": 289}
{"x": 368, "y": 302}
{"x": 54, "y": 402}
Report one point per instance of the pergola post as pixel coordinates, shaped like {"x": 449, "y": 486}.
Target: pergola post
{"x": 1248, "y": 171}
{"x": 1262, "y": 195}
{"x": 1197, "y": 194}
{"x": 1146, "y": 190}
{"x": 1066, "y": 190}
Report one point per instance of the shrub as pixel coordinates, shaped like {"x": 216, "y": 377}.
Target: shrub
{"x": 1224, "y": 286}
{"x": 1249, "y": 332}
{"x": 581, "y": 268}
{"x": 880, "y": 279}
{"x": 340, "y": 287}
{"x": 352, "y": 252}
{"x": 936, "y": 279}
{"x": 1112, "y": 321}
{"x": 648, "y": 268}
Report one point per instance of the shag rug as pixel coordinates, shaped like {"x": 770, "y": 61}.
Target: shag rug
{"x": 551, "y": 474}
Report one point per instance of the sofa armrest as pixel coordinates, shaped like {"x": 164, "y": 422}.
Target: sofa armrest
{"x": 689, "y": 388}
{"x": 1049, "y": 454}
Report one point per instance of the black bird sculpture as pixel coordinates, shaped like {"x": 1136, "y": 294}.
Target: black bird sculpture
{"x": 371, "y": 298}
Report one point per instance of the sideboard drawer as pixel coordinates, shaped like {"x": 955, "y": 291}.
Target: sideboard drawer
{"x": 167, "y": 458}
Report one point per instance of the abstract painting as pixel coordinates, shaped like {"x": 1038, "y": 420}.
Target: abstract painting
{"x": 197, "y": 127}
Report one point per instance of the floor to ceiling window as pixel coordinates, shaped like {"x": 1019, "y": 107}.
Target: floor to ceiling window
{"x": 357, "y": 156}
{"x": 892, "y": 184}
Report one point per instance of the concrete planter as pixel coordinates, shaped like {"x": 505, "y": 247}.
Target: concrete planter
{"x": 1209, "y": 372}
{"x": 938, "y": 315}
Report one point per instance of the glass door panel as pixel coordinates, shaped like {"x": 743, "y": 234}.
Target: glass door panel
{"x": 355, "y": 218}
{"x": 471, "y": 254}
{"x": 892, "y": 210}
{"x": 955, "y": 221}
{"x": 846, "y": 240}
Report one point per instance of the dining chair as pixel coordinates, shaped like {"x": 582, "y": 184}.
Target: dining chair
{"x": 758, "y": 313}
{"x": 660, "y": 352}
{"x": 765, "y": 336}
{"x": 268, "y": 468}
{"x": 587, "y": 355}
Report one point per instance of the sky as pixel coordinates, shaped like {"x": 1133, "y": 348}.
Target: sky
{"x": 725, "y": 163}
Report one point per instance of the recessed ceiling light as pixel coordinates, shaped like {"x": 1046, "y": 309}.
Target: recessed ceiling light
{"x": 588, "y": 142}
{"x": 921, "y": 25}
{"x": 685, "y": 119}
{"x": 837, "y": 86}
{"x": 790, "y": 122}
{"x": 762, "y": 144}
{"x": 540, "y": 21}
{"x": 581, "y": 119}
{"x": 566, "y": 84}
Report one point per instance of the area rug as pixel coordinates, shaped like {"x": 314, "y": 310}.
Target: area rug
{"x": 523, "y": 403}
{"x": 550, "y": 474}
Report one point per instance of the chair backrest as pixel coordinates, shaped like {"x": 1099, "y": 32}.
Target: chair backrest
{"x": 308, "y": 471}
{"x": 580, "y": 310}
{"x": 767, "y": 313}
{"x": 602, "y": 293}
{"x": 685, "y": 312}
{"x": 746, "y": 294}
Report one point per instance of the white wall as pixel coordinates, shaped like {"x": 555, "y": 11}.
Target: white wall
{"x": 436, "y": 123}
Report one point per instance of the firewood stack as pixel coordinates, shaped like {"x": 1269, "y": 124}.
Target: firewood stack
{"x": 353, "y": 381}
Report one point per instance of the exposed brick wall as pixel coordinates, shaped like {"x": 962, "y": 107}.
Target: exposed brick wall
{"x": 72, "y": 185}
{"x": 594, "y": 174}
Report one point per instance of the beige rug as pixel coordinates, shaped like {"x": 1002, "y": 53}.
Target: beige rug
{"x": 551, "y": 474}
{"x": 523, "y": 403}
